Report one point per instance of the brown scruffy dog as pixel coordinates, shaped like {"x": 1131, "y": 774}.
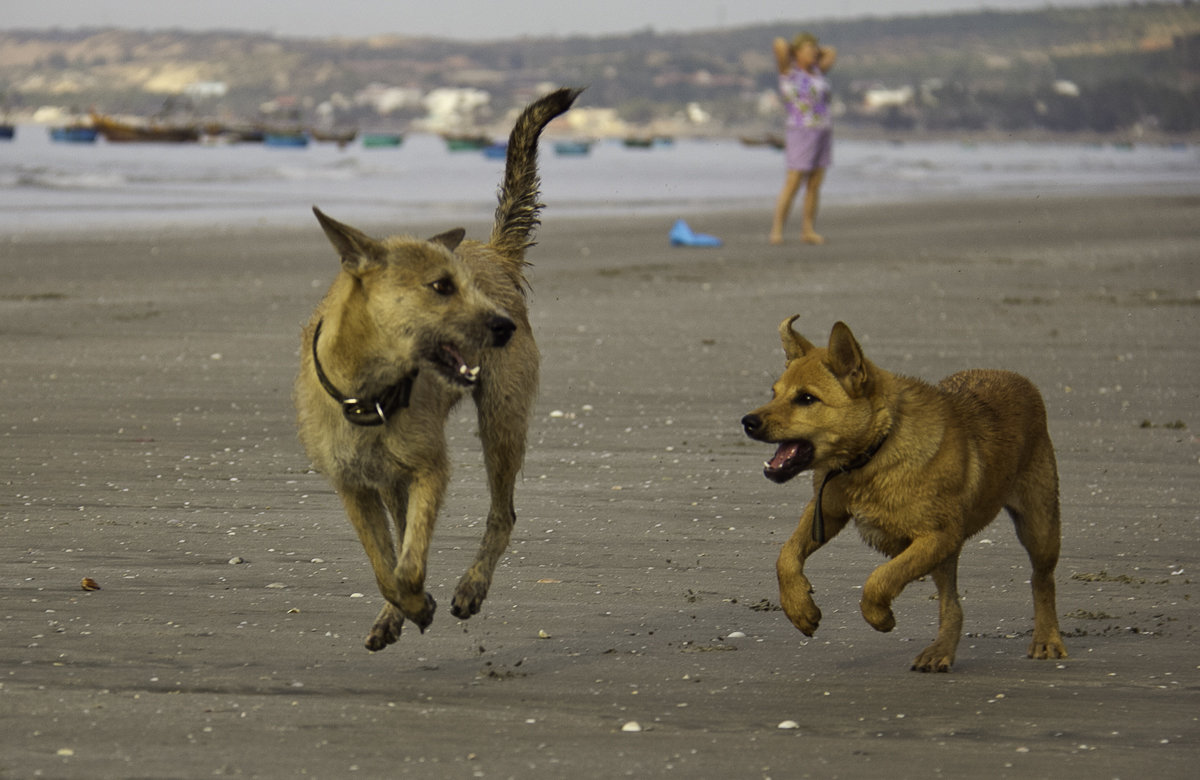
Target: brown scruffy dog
{"x": 406, "y": 330}
{"x": 920, "y": 469}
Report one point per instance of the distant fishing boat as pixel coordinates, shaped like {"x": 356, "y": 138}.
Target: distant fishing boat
{"x": 74, "y": 134}
{"x": 637, "y": 142}
{"x": 116, "y": 131}
{"x": 495, "y": 151}
{"x": 770, "y": 139}
{"x": 382, "y": 140}
{"x": 459, "y": 142}
{"x": 217, "y": 133}
{"x": 572, "y": 148}
{"x": 286, "y": 140}
{"x": 7, "y": 132}
{"x": 339, "y": 137}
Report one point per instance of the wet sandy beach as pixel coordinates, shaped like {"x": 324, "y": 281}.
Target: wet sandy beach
{"x": 147, "y": 442}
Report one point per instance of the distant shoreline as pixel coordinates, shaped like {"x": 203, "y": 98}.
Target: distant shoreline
{"x": 844, "y": 131}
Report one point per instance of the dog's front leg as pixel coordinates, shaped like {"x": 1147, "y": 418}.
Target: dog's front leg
{"x": 367, "y": 515}
{"x": 885, "y": 583}
{"x": 795, "y": 591}
{"x": 503, "y": 421}
{"x": 424, "y": 494}
{"x": 476, "y": 581}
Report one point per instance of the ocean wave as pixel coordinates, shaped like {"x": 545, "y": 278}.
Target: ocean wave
{"x": 47, "y": 178}
{"x": 155, "y": 183}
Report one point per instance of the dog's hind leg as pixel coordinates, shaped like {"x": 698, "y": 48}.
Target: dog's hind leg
{"x": 1035, "y": 514}
{"x": 939, "y": 656}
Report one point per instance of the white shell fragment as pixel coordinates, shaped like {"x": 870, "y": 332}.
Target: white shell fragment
{"x": 632, "y": 725}
{"x": 788, "y": 724}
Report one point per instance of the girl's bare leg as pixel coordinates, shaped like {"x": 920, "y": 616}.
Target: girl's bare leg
{"x": 812, "y": 201}
{"x": 783, "y": 205}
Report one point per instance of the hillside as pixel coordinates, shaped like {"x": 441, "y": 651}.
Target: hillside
{"x": 1103, "y": 70}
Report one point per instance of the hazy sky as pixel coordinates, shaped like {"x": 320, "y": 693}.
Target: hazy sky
{"x": 467, "y": 19}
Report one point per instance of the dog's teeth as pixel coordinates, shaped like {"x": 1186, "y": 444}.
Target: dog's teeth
{"x": 766, "y": 464}
{"x": 474, "y": 372}
{"x": 464, "y": 370}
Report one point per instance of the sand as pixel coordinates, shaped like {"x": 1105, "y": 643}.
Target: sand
{"x": 146, "y": 441}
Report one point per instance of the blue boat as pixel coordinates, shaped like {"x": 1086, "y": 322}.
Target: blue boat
{"x": 495, "y": 151}
{"x": 7, "y": 132}
{"x": 286, "y": 140}
{"x": 74, "y": 134}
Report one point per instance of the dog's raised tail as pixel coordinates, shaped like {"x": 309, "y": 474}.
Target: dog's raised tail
{"x": 519, "y": 206}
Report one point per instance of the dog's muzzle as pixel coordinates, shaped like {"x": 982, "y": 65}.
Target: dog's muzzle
{"x": 753, "y": 425}
{"x": 502, "y": 329}
{"x": 790, "y": 458}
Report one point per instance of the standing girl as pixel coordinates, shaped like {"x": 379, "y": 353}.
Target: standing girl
{"x": 808, "y": 151}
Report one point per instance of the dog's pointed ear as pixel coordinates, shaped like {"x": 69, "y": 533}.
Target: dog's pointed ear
{"x": 794, "y": 345}
{"x": 450, "y": 239}
{"x": 846, "y": 358}
{"x": 357, "y": 250}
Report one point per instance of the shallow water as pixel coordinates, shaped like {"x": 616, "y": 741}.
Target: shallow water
{"x": 56, "y": 186}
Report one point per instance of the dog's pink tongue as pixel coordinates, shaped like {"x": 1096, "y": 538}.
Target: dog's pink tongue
{"x": 786, "y": 452}
{"x": 454, "y": 355}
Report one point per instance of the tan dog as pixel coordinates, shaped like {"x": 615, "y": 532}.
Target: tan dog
{"x": 920, "y": 469}
{"x": 407, "y": 329}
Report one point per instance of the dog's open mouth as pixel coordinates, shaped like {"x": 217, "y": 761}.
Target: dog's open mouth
{"x": 451, "y": 363}
{"x": 790, "y": 459}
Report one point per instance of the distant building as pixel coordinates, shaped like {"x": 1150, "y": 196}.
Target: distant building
{"x": 385, "y": 99}
{"x": 879, "y": 98}
{"x": 1066, "y": 88}
{"x": 206, "y": 89}
{"x": 596, "y": 122}
{"x": 451, "y": 109}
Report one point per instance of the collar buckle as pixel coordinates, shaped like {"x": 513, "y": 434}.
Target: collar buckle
{"x": 365, "y": 412}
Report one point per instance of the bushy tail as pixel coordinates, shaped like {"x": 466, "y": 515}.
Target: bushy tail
{"x": 517, "y": 212}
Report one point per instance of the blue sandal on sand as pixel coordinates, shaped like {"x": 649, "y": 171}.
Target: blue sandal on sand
{"x": 682, "y": 235}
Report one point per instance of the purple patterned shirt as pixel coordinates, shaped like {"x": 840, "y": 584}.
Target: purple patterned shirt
{"x": 807, "y": 97}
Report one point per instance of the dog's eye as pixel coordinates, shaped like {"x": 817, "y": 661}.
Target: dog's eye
{"x": 443, "y": 286}
{"x": 805, "y": 399}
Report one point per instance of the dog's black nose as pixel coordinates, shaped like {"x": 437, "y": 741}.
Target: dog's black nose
{"x": 752, "y": 423}
{"x": 502, "y": 329}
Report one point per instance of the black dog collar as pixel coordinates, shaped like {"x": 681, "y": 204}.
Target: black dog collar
{"x": 366, "y": 412}
{"x": 818, "y": 529}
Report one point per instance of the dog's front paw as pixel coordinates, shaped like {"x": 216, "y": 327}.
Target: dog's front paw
{"x": 421, "y": 615}
{"x": 804, "y": 613}
{"x": 934, "y": 658}
{"x": 468, "y": 597}
{"x": 386, "y": 629}
{"x": 878, "y": 615}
